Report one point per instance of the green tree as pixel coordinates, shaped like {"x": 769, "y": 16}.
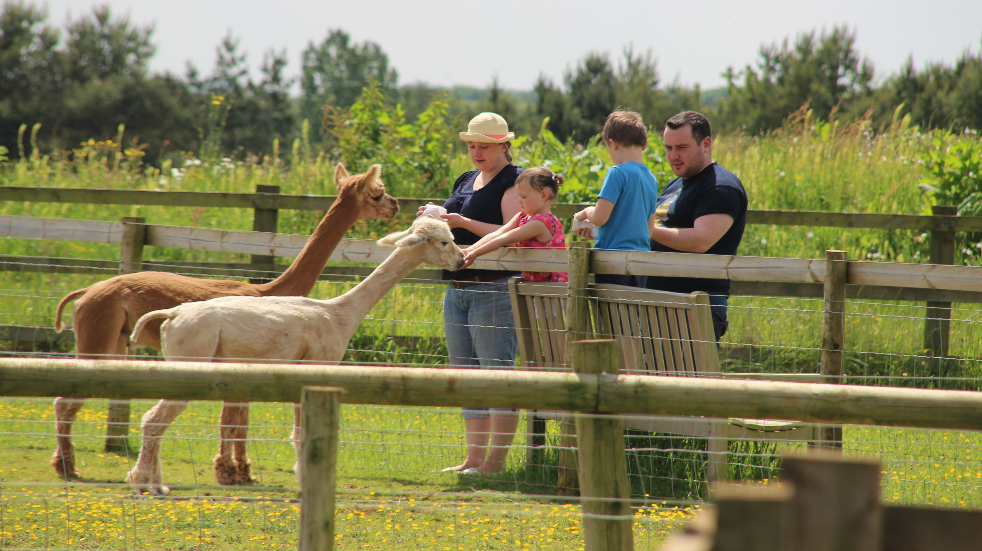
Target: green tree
{"x": 255, "y": 113}
{"x": 940, "y": 96}
{"x": 28, "y": 69}
{"x": 592, "y": 95}
{"x": 825, "y": 72}
{"x": 338, "y": 69}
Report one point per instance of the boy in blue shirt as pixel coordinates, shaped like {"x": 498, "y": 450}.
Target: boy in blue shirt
{"x": 625, "y": 208}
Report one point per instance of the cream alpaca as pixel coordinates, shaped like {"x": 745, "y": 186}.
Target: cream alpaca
{"x": 279, "y": 328}
{"x": 106, "y": 312}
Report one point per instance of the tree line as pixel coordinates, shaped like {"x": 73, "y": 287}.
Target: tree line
{"x": 87, "y": 79}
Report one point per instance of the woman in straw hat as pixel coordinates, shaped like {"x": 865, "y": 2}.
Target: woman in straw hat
{"x": 477, "y": 315}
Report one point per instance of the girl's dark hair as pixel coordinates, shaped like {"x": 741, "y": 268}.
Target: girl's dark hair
{"x": 540, "y": 178}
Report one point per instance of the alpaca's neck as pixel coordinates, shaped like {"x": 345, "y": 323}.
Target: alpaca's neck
{"x": 300, "y": 277}
{"x": 357, "y": 302}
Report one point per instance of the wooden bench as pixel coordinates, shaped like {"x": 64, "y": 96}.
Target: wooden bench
{"x": 659, "y": 334}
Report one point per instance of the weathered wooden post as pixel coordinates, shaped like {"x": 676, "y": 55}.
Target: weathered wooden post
{"x": 836, "y": 502}
{"x": 264, "y": 220}
{"x": 130, "y": 261}
{"x": 320, "y": 421}
{"x": 937, "y": 319}
{"x": 604, "y": 488}
{"x": 833, "y": 333}
{"x": 578, "y": 327}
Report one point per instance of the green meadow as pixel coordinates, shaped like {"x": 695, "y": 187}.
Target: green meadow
{"x": 391, "y": 490}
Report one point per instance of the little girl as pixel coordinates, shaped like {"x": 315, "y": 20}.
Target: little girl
{"x": 535, "y": 226}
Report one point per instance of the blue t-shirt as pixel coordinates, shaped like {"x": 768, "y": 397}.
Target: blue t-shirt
{"x": 632, "y": 188}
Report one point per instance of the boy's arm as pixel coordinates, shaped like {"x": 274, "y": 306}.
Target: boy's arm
{"x": 600, "y": 214}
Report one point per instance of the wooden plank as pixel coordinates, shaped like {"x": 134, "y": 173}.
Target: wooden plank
{"x": 408, "y": 204}
{"x": 689, "y": 366}
{"x": 547, "y": 332}
{"x": 57, "y": 229}
{"x": 523, "y": 323}
{"x": 536, "y": 326}
{"x": 604, "y": 486}
{"x": 931, "y": 529}
{"x": 753, "y": 518}
{"x": 649, "y": 346}
{"x": 319, "y": 438}
{"x": 421, "y": 386}
{"x": 836, "y": 502}
{"x": 557, "y": 328}
{"x": 862, "y": 220}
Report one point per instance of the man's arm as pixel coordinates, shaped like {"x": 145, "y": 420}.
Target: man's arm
{"x": 706, "y": 231}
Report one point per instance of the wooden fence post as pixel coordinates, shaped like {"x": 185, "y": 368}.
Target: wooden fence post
{"x": 604, "y": 488}
{"x": 836, "y": 502}
{"x": 833, "y": 333}
{"x": 265, "y": 220}
{"x": 130, "y": 261}
{"x": 320, "y": 421}
{"x": 937, "y": 319}
{"x": 578, "y": 327}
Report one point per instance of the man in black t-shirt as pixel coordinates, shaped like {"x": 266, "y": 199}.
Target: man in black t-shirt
{"x": 704, "y": 210}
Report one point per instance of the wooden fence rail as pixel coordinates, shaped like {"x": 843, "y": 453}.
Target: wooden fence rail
{"x": 604, "y": 501}
{"x": 967, "y": 279}
{"x": 432, "y": 387}
{"x": 266, "y": 200}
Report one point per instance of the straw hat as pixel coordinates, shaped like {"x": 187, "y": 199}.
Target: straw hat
{"x": 487, "y": 128}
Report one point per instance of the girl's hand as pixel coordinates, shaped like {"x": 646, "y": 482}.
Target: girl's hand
{"x": 469, "y": 258}
{"x": 454, "y": 220}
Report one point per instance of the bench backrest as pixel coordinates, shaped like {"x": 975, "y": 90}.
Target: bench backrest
{"x": 659, "y": 333}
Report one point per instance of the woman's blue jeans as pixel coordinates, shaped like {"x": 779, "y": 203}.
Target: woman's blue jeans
{"x": 480, "y": 331}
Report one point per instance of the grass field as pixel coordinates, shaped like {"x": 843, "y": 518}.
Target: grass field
{"x": 391, "y": 491}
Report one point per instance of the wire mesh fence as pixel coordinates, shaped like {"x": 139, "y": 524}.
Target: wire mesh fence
{"x": 392, "y": 489}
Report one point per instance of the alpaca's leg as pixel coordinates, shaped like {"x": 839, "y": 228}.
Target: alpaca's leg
{"x": 296, "y": 444}
{"x": 226, "y": 471}
{"x": 66, "y": 409}
{"x": 243, "y": 473}
{"x": 147, "y": 475}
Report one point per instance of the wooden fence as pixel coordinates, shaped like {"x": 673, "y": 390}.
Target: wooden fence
{"x": 267, "y": 200}
{"x": 596, "y": 395}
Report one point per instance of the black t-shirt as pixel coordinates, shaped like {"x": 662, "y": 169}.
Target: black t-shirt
{"x": 715, "y": 190}
{"x": 483, "y": 205}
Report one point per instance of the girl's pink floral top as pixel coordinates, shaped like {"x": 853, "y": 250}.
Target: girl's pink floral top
{"x": 558, "y": 241}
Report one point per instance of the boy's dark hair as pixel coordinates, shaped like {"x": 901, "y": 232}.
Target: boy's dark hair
{"x": 697, "y": 121}
{"x": 625, "y": 128}
{"x": 540, "y": 178}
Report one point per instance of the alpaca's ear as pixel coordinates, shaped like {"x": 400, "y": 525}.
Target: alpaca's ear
{"x": 374, "y": 174}
{"x": 392, "y": 238}
{"x": 340, "y": 174}
{"x": 411, "y": 240}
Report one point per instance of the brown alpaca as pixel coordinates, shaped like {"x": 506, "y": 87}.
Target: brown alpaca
{"x": 106, "y": 312}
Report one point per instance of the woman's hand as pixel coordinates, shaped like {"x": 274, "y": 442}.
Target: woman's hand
{"x": 582, "y": 215}
{"x": 419, "y": 211}
{"x": 455, "y": 220}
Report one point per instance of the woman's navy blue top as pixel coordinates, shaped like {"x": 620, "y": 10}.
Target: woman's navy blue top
{"x": 483, "y": 205}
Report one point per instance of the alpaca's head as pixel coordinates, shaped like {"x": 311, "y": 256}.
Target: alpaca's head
{"x": 368, "y": 192}
{"x": 431, "y": 241}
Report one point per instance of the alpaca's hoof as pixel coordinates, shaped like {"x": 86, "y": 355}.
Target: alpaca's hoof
{"x": 143, "y": 483}
{"x": 226, "y": 472}
{"x": 243, "y": 474}
{"x": 65, "y": 466}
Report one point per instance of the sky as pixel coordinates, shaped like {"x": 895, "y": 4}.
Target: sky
{"x": 444, "y": 43}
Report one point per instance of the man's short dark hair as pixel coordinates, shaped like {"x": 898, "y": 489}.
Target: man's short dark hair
{"x": 625, "y": 128}
{"x": 697, "y": 121}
